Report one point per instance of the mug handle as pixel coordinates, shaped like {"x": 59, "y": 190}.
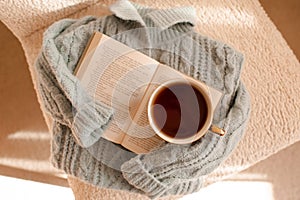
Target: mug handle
{"x": 217, "y": 130}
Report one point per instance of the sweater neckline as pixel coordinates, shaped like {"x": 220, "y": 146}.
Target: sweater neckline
{"x": 159, "y": 18}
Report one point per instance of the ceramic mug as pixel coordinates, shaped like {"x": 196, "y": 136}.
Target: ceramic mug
{"x": 180, "y": 111}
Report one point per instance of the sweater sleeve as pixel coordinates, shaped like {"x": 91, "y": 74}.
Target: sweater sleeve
{"x": 177, "y": 169}
{"x": 63, "y": 96}
{"x": 86, "y": 120}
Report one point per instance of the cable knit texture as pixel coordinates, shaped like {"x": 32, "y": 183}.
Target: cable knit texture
{"x": 79, "y": 121}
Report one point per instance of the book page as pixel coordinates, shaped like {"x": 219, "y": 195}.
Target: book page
{"x": 140, "y": 137}
{"x": 114, "y": 74}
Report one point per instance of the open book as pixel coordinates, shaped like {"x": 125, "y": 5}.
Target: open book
{"x": 124, "y": 79}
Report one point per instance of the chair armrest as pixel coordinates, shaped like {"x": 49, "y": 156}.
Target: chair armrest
{"x": 24, "y": 17}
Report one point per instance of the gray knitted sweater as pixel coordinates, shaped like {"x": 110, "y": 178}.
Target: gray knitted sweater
{"x": 79, "y": 121}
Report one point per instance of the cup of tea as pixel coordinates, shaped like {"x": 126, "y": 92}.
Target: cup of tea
{"x": 180, "y": 111}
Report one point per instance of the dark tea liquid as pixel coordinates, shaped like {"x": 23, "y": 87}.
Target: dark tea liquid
{"x": 179, "y": 110}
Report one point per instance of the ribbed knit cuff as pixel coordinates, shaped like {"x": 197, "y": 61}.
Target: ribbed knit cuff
{"x": 168, "y": 17}
{"x": 89, "y": 123}
{"x": 185, "y": 187}
{"x": 136, "y": 174}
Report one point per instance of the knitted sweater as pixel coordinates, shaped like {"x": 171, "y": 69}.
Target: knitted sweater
{"x": 79, "y": 121}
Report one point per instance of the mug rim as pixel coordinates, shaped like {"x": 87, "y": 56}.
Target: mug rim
{"x": 203, "y": 89}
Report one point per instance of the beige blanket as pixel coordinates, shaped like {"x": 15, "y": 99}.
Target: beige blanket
{"x": 271, "y": 71}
